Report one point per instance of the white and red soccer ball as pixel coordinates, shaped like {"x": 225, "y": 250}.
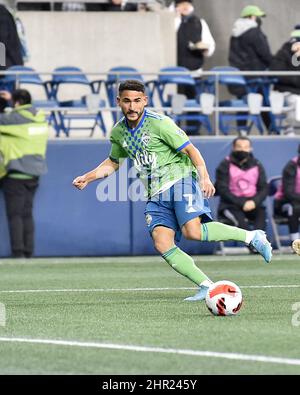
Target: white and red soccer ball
{"x": 224, "y": 298}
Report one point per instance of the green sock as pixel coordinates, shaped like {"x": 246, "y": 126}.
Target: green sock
{"x": 185, "y": 265}
{"x": 216, "y": 231}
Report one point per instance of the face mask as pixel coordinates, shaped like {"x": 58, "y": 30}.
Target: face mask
{"x": 240, "y": 155}
{"x": 259, "y": 21}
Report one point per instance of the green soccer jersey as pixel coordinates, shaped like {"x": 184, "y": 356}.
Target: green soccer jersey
{"x": 154, "y": 146}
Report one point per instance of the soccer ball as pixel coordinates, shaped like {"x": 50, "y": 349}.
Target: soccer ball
{"x": 224, "y": 298}
{"x": 296, "y": 246}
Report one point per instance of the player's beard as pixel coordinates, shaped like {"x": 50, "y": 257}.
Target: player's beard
{"x": 138, "y": 113}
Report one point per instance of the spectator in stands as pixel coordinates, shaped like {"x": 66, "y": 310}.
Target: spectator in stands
{"x": 242, "y": 187}
{"x": 288, "y": 58}
{"x": 22, "y": 35}
{"x": 10, "y": 38}
{"x": 287, "y": 198}
{"x": 194, "y": 39}
{"x": 13, "y": 49}
{"x": 194, "y": 43}
{"x": 121, "y": 5}
{"x": 36, "y": 6}
{"x": 23, "y": 140}
{"x": 249, "y": 49}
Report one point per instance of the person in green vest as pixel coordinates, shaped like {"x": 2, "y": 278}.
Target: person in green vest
{"x": 23, "y": 143}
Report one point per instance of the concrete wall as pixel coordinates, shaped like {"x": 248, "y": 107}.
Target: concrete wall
{"x": 98, "y": 41}
{"x": 220, "y": 15}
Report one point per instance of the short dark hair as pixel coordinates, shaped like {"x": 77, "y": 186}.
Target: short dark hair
{"x": 22, "y": 96}
{"x": 183, "y": 1}
{"x": 131, "y": 85}
{"x": 241, "y": 138}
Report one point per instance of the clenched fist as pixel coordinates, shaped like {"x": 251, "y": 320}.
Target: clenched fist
{"x": 80, "y": 182}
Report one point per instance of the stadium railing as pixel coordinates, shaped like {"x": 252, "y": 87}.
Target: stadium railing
{"x": 277, "y": 221}
{"x": 209, "y": 81}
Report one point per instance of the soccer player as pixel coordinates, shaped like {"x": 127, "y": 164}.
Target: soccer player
{"x": 177, "y": 183}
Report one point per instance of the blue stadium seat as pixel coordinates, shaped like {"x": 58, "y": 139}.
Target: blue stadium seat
{"x": 228, "y": 121}
{"x": 184, "y": 78}
{"x": 264, "y": 86}
{"x": 53, "y": 116}
{"x": 31, "y": 77}
{"x": 76, "y": 77}
{"x": 117, "y": 75}
{"x": 224, "y": 79}
{"x": 15, "y": 80}
{"x": 61, "y": 79}
{"x": 165, "y": 80}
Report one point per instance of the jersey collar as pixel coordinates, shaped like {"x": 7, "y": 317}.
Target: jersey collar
{"x": 139, "y": 125}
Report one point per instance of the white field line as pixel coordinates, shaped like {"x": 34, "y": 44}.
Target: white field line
{"x": 131, "y": 289}
{"x": 124, "y": 347}
{"x": 139, "y": 259}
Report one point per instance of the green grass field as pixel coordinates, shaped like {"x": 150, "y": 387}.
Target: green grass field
{"x": 127, "y": 316}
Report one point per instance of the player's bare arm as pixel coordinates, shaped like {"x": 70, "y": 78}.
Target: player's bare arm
{"x": 105, "y": 169}
{"x": 205, "y": 183}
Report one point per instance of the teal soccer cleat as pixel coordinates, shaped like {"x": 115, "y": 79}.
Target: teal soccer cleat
{"x": 262, "y": 245}
{"x": 200, "y": 295}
